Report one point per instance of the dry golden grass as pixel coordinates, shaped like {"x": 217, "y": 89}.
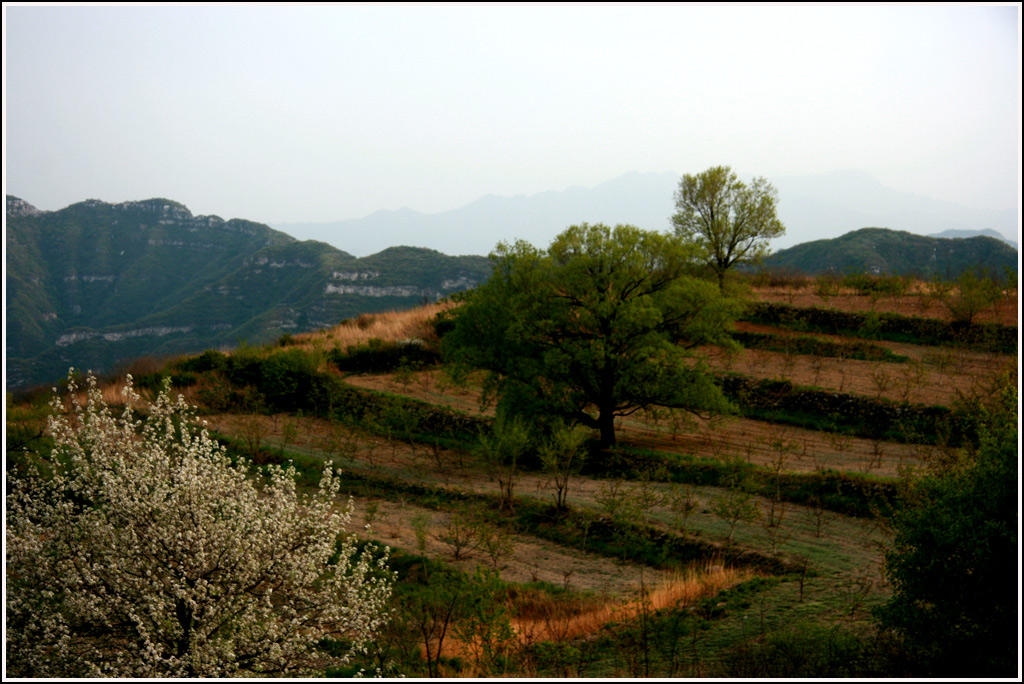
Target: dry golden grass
{"x": 548, "y": 619}
{"x": 389, "y": 327}
{"x": 113, "y": 393}
{"x": 682, "y": 590}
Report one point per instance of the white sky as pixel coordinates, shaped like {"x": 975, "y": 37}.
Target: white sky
{"x": 321, "y": 113}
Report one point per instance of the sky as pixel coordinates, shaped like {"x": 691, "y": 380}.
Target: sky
{"x": 328, "y": 112}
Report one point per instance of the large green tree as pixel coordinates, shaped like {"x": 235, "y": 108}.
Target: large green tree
{"x": 954, "y": 560}
{"x": 729, "y": 221}
{"x": 600, "y": 325}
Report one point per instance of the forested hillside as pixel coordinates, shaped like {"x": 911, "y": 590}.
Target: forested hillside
{"x": 880, "y": 251}
{"x": 97, "y": 284}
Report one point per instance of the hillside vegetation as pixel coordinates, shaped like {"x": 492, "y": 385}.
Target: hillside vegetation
{"x": 745, "y": 544}
{"x": 880, "y": 251}
{"x": 95, "y": 285}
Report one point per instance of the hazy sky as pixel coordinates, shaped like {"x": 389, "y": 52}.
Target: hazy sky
{"x": 320, "y": 113}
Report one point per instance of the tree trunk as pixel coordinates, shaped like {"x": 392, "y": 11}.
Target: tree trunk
{"x": 183, "y": 612}
{"x": 606, "y": 403}
{"x": 606, "y": 423}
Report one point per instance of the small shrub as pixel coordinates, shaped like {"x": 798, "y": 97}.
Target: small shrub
{"x": 970, "y": 296}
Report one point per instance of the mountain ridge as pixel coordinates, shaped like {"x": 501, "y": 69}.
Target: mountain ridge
{"x": 987, "y": 232}
{"x": 812, "y": 207}
{"x": 97, "y": 284}
{"x": 883, "y": 251}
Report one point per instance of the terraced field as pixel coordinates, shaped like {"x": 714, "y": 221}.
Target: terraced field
{"x": 699, "y": 538}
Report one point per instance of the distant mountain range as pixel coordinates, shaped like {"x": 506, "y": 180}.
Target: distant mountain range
{"x": 812, "y": 208}
{"x": 96, "y": 284}
{"x": 640, "y": 199}
{"x": 887, "y": 252}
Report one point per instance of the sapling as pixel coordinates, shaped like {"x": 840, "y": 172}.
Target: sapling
{"x": 682, "y": 502}
{"x": 562, "y": 455}
{"x": 501, "y": 449}
{"x": 734, "y": 506}
{"x": 459, "y": 532}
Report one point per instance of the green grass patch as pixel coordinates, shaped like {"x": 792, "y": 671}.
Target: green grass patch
{"x": 813, "y": 346}
{"x": 992, "y": 337}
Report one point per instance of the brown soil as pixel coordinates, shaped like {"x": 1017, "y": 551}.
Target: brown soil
{"x": 534, "y": 559}
{"x": 918, "y": 303}
{"x": 531, "y": 559}
{"x": 934, "y": 375}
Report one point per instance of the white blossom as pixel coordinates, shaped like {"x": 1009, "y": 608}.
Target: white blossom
{"x": 149, "y": 553}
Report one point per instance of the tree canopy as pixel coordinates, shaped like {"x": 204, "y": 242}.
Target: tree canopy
{"x": 729, "y": 221}
{"x": 600, "y": 325}
{"x": 148, "y": 552}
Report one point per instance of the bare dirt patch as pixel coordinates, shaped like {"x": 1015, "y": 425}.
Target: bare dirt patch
{"x": 781, "y": 447}
{"x": 531, "y": 560}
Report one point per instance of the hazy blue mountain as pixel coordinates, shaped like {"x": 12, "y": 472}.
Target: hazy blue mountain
{"x": 641, "y": 199}
{"x": 886, "y": 252}
{"x": 96, "y": 284}
{"x": 988, "y": 232}
{"x": 831, "y": 204}
{"x": 812, "y": 207}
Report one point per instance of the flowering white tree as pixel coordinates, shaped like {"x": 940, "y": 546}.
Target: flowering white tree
{"x": 148, "y": 553}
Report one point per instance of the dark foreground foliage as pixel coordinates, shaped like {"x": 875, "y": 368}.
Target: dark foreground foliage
{"x": 953, "y": 564}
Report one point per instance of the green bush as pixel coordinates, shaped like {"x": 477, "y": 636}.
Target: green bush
{"x": 806, "y": 345}
{"x": 954, "y": 559}
{"x": 209, "y": 360}
{"x": 809, "y": 650}
{"x": 895, "y": 328}
{"x": 970, "y": 295}
{"x": 876, "y": 286}
{"x": 378, "y": 356}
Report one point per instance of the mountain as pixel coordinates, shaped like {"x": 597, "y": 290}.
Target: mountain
{"x": 988, "y": 232}
{"x": 95, "y": 284}
{"x": 812, "y": 207}
{"x": 641, "y": 199}
{"x": 831, "y": 204}
{"x": 886, "y": 252}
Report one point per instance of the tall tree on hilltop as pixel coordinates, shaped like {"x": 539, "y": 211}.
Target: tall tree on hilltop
{"x": 728, "y": 221}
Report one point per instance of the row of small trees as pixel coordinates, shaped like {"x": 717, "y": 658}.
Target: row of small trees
{"x": 965, "y": 297}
